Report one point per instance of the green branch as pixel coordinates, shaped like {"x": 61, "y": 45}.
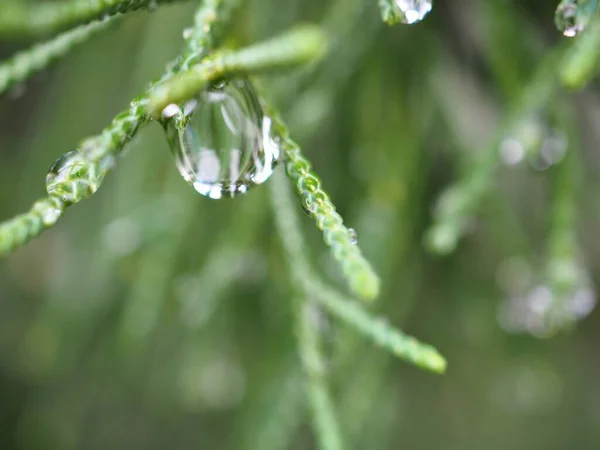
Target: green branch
{"x": 565, "y": 273}
{"x": 321, "y": 403}
{"x": 346, "y": 310}
{"x": 581, "y": 63}
{"x": 95, "y": 156}
{"x": 298, "y": 46}
{"x": 377, "y": 330}
{"x": 20, "y": 18}
{"x": 362, "y": 279}
{"x": 23, "y": 65}
{"x": 457, "y": 204}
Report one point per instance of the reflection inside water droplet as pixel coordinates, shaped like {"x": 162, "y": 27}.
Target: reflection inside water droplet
{"x": 353, "y": 235}
{"x": 413, "y": 11}
{"x": 222, "y": 141}
{"x": 73, "y": 177}
{"x": 569, "y": 20}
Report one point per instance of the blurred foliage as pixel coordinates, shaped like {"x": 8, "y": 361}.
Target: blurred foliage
{"x": 391, "y": 118}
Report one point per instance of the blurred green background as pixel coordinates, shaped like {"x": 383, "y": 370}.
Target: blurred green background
{"x": 151, "y": 317}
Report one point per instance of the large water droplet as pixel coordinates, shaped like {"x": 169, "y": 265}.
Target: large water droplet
{"x": 413, "y": 11}
{"x": 222, "y": 141}
{"x": 73, "y": 177}
{"x": 568, "y": 18}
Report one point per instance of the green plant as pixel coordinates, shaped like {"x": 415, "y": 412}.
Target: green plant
{"x": 204, "y": 62}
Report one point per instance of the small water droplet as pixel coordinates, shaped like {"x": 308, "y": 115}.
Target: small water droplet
{"x": 73, "y": 177}
{"x": 568, "y": 18}
{"x": 413, "y": 11}
{"x": 187, "y": 33}
{"x": 512, "y": 151}
{"x": 564, "y": 295}
{"x": 353, "y": 235}
{"x": 222, "y": 141}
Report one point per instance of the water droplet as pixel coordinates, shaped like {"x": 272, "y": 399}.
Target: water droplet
{"x": 569, "y": 19}
{"x": 187, "y": 33}
{"x": 512, "y": 151}
{"x": 413, "y": 11}
{"x": 222, "y": 141}
{"x": 353, "y": 235}
{"x": 544, "y": 309}
{"x": 73, "y": 177}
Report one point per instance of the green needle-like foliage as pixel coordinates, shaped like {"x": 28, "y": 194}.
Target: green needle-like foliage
{"x": 346, "y": 310}
{"x": 582, "y": 63}
{"x": 313, "y": 362}
{"x": 18, "y": 18}
{"x": 363, "y": 281}
{"x": 296, "y": 47}
{"x": 99, "y": 152}
{"x": 385, "y": 200}
{"x": 23, "y": 65}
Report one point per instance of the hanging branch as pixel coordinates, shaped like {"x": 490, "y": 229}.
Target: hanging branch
{"x": 79, "y": 173}
{"x": 296, "y": 47}
{"x": 25, "y": 64}
{"x": 20, "y": 18}
{"x": 314, "y": 292}
{"x": 325, "y": 422}
{"x": 458, "y": 203}
{"x": 346, "y": 310}
{"x": 582, "y": 63}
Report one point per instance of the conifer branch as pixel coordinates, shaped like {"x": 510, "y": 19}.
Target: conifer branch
{"x": 377, "y": 330}
{"x": 581, "y": 63}
{"x": 325, "y": 420}
{"x": 25, "y": 64}
{"x": 458, "y": 203}
{"x": 360, "y": 276}
{"x": 298, "y": 46}
{"x": 346, "y": 310}
{"x": 565, "y": 273}
{"x": 96, "y": 155}
{"x": 20, "y": 18}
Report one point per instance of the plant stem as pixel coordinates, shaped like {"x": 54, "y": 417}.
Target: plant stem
{"x": 20, "y": 18}
{"x": 25, "y": 64}
{"x": 109, "y": 143}
{"x": 345, "y": 309}
{"x": 295, "y": 47}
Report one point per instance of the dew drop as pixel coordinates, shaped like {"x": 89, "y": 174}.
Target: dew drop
{"x": 187, "y": 33}
{"x": 353, "y": 235}
{"x": 568, "y": 18}
{"x": 222, "y": 141}
{"x": 413, "y": 11}
{"x": 552, "y": 303}
{"x": 73, "y": 177}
